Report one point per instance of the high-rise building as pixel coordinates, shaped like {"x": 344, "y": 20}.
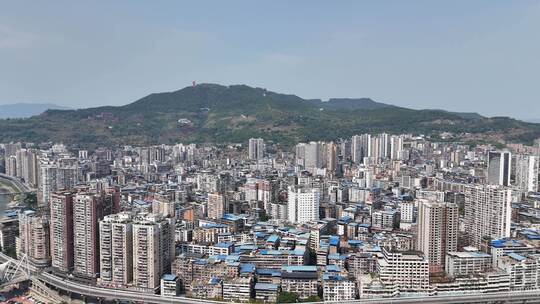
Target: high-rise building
{"x": 61, "y": 226}
{"x": 316, "y": 155}
{"x": 116, "y": 249}
{"x": 384, "y": 146}
{"x": 27, "y": 166}
{"x": 396, "y": 147}
{"x": 11, "y": 165}
{"x": 331, "y": 156}
{"x": 303, "y": 204}
{"x": 526, "y": 172}
{"x": 87, "y": 211}
{"x": 499, "y": 167}
{"x": 53, "y": 176}
{"x": 361, "y": 147}
{"x": 216, "y": 205}
{"x": 153, "y": 250}
{"x": 33, "y": 239}
{"x": 313, "y": 155}
{"x": 256, "y": 148}
{"x": 437, "y": 231}
{"x": 487, "y": 212}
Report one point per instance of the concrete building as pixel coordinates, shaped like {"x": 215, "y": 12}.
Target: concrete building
{"x": 361, "y": 147}
{"x": 238, "y": 290}
{"x": 303, "y": 204}
{"x": 337, "y": 288}
{"x": 437, "y": 231}
{"x": 61, "y": 226}
{"x": 256, "y": 148}
{"x": 302, "y": 280}
{"x": 407, "y": 271}
{"x": 464, "y": 263}
{"x": 487, "y": 212}
{"x": 526, "y": 172}
{"x": 524, "y": 270}
{"x": 116, "y": 250}
{"x": 266, "y": 292}
{"x": 216, "y": 205}
{"x": 499, "y": 168}
{"x": 87, "y": 211}
{"x": 33, "y": 239}
{"x": 153, "y": 250}
{"x": 500, "y": 248}
{"x": 170, "y": 285}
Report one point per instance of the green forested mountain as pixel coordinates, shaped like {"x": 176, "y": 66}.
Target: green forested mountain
{"x": 216, "y": 113}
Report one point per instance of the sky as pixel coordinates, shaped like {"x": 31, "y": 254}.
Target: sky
{"x": 470, "y": 56}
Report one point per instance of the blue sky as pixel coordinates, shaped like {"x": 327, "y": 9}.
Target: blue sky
{"x": 481, "y": 56}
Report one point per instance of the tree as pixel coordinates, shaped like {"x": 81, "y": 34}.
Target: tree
{"x": 263, "y": 217}
{"x": 31, "y": 200}
{"x": 312, "y": 299}
{"x": 287, "y": 297}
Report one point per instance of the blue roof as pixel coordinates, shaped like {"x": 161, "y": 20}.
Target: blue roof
{"x": 332, "y": 277}
{"x": 333, "y": 268}
{"x": 516, "y": 256}
{"x": 169, "y": 277}
{"x": 273, "y": 238}
{"x": 500, "y": 243}
{"x": 214, "y": 225}
{"x": 346, "y": 219}
{"x": 223, "y": 245}
{"x": 201, "y": 262}
{"x": 247, "y": 268}
{"x": 266, "y": 286}
{"x": 245, "y": 248}
{"x": 260, "y": 234}
{"x": 267, "y": 271}
{"x": 300, "y": 268}
{"x": 10, "y": 213}
{"x": 231, "y": 217}
{"x": 273, "y": 252}
{"x": 336, "y": 256}
{"x": 334, "y": 241}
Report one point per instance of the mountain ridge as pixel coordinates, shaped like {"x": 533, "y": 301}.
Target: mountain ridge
{"x": 217, "y": 113}
{"x": 26, "y": 109}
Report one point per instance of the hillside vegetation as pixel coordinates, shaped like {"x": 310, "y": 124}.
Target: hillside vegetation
{"x": 223, "y": 114}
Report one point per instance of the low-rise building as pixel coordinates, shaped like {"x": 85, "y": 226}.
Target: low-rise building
{"x": 302, "y": 280}
{"x": 238, "y": 290}
{"x": 266, "y": 292}
{"x": 462, "y": 263}
{"x": 170, "y": 285}
{"x": 337, "y": 288}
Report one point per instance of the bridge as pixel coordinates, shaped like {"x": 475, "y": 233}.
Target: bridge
{"x": 20, "y": 187}
{"x": 44, "y": 283}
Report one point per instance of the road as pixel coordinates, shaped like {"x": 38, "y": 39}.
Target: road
{"x": 110, "y": 294}
{"x": 18, "y": 184}
{"x": 20, "y": 187}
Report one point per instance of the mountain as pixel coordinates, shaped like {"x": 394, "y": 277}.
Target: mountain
{"x": 350, "y": 104}
{"x": 23, "y": 110}
{"x": 224, "y": 114}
